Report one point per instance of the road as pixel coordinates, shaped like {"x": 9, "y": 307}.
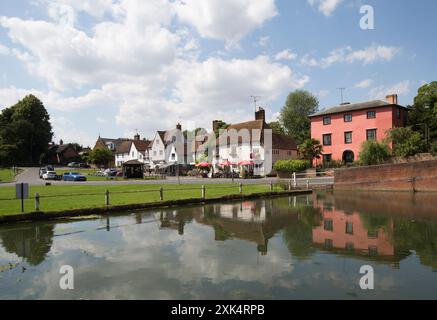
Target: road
{"x": 30, "y": 176}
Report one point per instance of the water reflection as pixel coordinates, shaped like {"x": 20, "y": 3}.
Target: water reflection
{"x": 292, "y": 247}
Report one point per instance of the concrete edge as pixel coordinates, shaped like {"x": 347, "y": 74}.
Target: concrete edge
{"x": 47, "y": 216}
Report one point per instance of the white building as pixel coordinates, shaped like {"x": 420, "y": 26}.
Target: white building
{"x": 253, "y": 146}
{"x": 136, "y": 149}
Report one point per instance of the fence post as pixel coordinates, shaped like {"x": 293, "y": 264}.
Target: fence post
{"x": 289, "y": 185}
{"x": 107, "y": 198}
{"x": 308, "y": 184}
{"x": 241, "y": 188}
{"x": 271, "y": 186}
{"x": 294, "y": 180}
{"x": 203, "y": 192}
{"x": 161, "y": 194}
{"x": 37, "y": 201}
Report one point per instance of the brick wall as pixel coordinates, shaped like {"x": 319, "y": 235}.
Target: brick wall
{"x": 413, "y": 176}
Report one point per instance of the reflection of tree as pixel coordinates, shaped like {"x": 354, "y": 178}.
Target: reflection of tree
{"x": 30, "y": 242}
{"x": 418, "y": 236}
{"x": 298, "y": 236}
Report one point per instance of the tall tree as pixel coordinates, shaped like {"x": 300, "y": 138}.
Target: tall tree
{"x": 277, "y": 127}
{"x": 423, "y": 113}
{"x": 25, "y": 132}
{"x": 294, "y": 115}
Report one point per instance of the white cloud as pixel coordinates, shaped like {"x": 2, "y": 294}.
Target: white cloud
{"x": 228, "y": 20}
{"x": 263, "y": 41}
{"x": 327, "y": 7}
{"x": 4, "y": 50}
{"x": 369, "y": 55}
{"x": 364, "y": 84}
{"x": 401, "y": 88}
{"x": 285, "y": 55}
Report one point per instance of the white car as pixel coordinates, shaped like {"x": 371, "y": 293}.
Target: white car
{"x": 49, "y": 175}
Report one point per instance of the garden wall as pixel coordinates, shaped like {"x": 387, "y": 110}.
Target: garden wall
{"x": 411, "y": 176}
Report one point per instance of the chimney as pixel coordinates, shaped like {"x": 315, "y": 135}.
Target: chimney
{"x": 260, "y": 114}
{"x": 215, "y": 125}
{"x": 392, "y": 99}
{"x": 137, "y": 137}
{"x": 179, "y": 127}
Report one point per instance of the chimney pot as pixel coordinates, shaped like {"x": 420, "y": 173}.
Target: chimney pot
{"x": 260, "y": 114}
{"x": 179, "y": 127}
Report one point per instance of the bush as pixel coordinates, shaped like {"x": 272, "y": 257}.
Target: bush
{"x": 406, "y": 142}
{"x": 373, "y": 152}
{"x": 290, "y": 166}
{"x": 433, "y": 148}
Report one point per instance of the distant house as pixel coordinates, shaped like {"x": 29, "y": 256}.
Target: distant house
{"x": 254, "y": 152}
{"x": 111, "y": 144}
{"x": 343, "y": 129}
{"x": 61, "y": 154}
{"x": 130, "y": 150}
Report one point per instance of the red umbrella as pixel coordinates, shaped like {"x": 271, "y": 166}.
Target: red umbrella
{"x": 203, "y": 165}
{"x": 246, "y": 163}
{"x": 226, "y": 164}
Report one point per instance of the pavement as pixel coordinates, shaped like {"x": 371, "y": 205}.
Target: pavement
{"x": 31, "y": 176}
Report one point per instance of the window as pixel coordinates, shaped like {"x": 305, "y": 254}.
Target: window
{"x": 347, "y": 118}
{"x": 327, "y": 141}
{"x": 373, "y": 251}
{"x": 398, "y": 113}
{"x": 154, "y": 153}
{"x": 372, "y": 234}
{"x": 348, "y": 137}
{"x": 233, "y": 150}
{"x": 173, "y": 156}
{"x": 327, "y": 158}
{"x": 349, "y": 228}
{"x": 371, "y": 134}
{"x": 133, "y": 154}
{"x": 161, "y": 152}
{"x": 371, "y": 114}
{"x": 328, "y": 244}
{"x": 350, "y": 246}
{"x": 328, "y": 225}
{"x": 326, "y": 121}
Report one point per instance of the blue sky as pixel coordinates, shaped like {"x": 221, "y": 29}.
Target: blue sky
{"x": 116, "y": 66}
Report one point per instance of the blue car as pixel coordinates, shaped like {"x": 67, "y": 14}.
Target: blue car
{"x": 73, "y": 176}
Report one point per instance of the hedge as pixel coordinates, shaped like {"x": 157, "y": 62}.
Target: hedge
{"x": 290, "y": 166}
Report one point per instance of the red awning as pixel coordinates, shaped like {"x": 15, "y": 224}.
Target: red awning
{"x": 226, "y": 164}
{"x": 203, "y": 165}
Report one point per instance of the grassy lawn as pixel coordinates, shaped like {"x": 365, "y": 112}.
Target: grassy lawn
{"x": 6, "y": 175}
{"x": 58, "y": 198}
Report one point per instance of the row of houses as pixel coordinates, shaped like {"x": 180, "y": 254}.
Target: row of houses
{"x": 341, "y": 129}
{"x": 169, "y": 149}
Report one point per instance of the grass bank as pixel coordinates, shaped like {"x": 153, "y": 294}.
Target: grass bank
{"x": 59, "y": 198}
{"x": 91, "y": 175}
{"x": 7, "y": 175}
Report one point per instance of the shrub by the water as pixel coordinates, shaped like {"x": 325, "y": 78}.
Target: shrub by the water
{"x": 290, "y": 166}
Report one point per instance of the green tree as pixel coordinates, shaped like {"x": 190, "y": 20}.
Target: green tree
{"x": 373, "y": 152}
{"x": 101, "y": 156}
{"x": 277, "y": 127}
{"x": 25, "y": 132}
{"x": 424, "y": 110}
{"x": 406, "y": 142}
{"x": 294, "y": 115}
{"x": 310, "y": 149}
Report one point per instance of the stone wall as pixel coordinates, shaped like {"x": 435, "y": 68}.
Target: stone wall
{"x": 411, "y": 176}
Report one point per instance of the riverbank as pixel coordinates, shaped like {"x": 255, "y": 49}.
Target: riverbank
{"x": 51, "y": 215}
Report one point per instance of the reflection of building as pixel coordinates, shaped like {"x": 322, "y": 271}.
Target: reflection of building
{"x": 350, "y": 233}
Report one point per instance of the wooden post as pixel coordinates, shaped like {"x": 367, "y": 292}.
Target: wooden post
{"x": 203, "y": 192}
{"x": 161, "y": 194}
{"x": 294, "y": 180}
{"x": 37, "y": 201}
{"x": 241, "y": 188}
{"x": 107, "y": 198}
{"x": 308, "y": 184}
{"x": 271, "y": 186}
{"x": 289, "y": 185}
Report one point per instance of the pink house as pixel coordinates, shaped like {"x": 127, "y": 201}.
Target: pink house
{"x": 343, "y": 129}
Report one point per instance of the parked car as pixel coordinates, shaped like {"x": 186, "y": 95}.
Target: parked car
{"x": 49, "y": 175}
{"x": 73, "y": 176}
{"x": 42, "y": 171}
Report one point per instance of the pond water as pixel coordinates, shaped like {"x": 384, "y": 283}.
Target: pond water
{"x": 303, "y": 247}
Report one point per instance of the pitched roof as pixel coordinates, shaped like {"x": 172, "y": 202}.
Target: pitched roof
{"x": 259, "y": 125}
{"x": 142, "y": 145}
{"x": 283, "y": 142}
{"x": 124, "y": 147}
{"x": 353, "y": 107}
{"x": 116, "y": 142}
